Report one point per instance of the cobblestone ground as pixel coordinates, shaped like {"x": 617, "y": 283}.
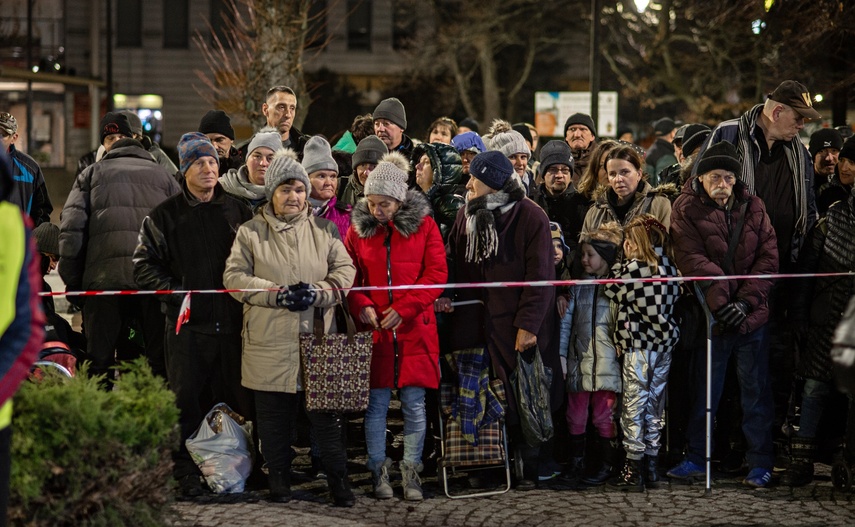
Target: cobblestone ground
{"x": 730, "y": 504}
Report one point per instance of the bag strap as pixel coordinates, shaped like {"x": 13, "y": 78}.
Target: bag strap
{"x": 319, "y": 314}
{"x": 727, "y": 264}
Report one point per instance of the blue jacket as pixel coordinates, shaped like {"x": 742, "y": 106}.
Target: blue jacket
{"x": 29, "y": 191}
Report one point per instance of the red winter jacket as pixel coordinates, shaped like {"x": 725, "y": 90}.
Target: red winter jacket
{"x": 416, "y": 255}
{"x": 701, "y": 229}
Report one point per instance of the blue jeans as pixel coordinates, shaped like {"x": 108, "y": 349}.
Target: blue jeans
{"x": 814, "y": 398}
{"x": 415, "y": 424}
{"x": 752, "y": 368}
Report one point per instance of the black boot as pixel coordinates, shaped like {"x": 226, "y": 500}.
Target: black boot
{"x": 280, "y": 485}
{"x": 629, "y": 478}
{"x": 651, "y": 471}
{"x": 607, "y": 460}
{"x": 576, "y": 465}
{"x": 340, "y": 489}
{"x": 802, "y": 455}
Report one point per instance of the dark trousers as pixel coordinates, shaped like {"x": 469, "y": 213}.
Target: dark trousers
{"x": 203, "y": 370}
{"x": 277, "y": 417}
{"x": 782, "y": 353}
{"x": 5, "y": 470}
{"x": 107, "y": 321}
{"x": 752, "y": 367}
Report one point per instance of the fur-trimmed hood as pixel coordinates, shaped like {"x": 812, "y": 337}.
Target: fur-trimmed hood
{"x": 407, "y": 220}
{"x": 668, "y": 190}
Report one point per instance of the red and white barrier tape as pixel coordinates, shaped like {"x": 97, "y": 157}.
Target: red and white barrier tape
{"x": 470, "y": 285}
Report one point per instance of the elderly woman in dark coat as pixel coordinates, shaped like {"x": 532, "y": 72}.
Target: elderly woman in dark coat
{"x": 502, "y": 235}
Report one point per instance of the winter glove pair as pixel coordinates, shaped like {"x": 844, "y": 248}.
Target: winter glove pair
{"x": 733, "y": 314}
{"x": 296, "y": 297}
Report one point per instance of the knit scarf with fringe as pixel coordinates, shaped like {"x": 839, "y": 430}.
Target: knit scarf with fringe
{"x": 482, "y": 241}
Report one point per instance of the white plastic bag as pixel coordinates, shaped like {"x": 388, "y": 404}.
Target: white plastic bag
{"x": 221, "y": 449}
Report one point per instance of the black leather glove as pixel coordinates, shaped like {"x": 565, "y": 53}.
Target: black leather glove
{"x": 733, "y": 314}
{"x": 300, "y": 297}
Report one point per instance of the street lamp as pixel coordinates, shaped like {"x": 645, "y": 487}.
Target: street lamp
{"x": 595, "y": 61}
{"x": 641, "y": 5}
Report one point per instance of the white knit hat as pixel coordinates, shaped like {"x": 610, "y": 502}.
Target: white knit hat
{"x": 506, "y": 140}
{"x": 388, "y": 179}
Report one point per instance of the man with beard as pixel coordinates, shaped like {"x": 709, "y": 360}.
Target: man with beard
{"x": 581, "y": 134}
{"x": 217, "y": 126}
{"x": 824, "y": 147}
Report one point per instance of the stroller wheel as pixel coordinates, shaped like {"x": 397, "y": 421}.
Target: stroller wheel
{"x": 841, "y": 476}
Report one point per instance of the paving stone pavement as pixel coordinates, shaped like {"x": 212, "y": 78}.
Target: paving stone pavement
{"x": 819, "y": 504}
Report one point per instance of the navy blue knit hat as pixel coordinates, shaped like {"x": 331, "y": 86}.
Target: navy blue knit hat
{"x": 492, "y": 168}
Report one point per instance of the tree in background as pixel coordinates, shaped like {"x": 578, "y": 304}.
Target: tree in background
{"x": 481, "y": 53}
{"x": 713, "y": 59}
{"x": 262, "y": 45}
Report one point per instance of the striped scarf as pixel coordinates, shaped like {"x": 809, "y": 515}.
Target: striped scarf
{"x": 795, "y": 157}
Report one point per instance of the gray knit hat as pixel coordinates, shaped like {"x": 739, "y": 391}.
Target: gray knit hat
{"x": 318, "y": 156}
{"x": 387, "y": 180}
{"x": 507, "y": 140}
{"x": 369, "y": 150}
{"x": 282, "y": 169}
{"x": 393, "y": 110}
{"x": 265, "y": 137}
{"x": 134, "y": 120}
{"x": 47, "y": 238}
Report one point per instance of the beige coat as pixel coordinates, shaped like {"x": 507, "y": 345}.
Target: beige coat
{"x": 646, "y": 200}
{"x": 269, "y": 253}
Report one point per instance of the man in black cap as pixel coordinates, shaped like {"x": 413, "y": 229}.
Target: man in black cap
{"x": 824, "y": 147}
{"x": 777, "y": 168}
{"x": 390, "y": 121}
{"x": 661, "y": 154}
{"x": 706, "y": 244}
{"x": 99, "y": 230}
{"x": 217, "y": 126}
{"x": 557, "y": 195}
{"x": 581, "y": 134}
{"x": 29, "y": 191}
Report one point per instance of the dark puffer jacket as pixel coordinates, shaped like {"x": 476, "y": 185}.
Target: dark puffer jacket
{"x": 445, "y": 195}
{"x": 568, "y": 209}
{"x": 101, "y": 219}
{"x": 701, "y": 231}
{"x": 819, "y": 302}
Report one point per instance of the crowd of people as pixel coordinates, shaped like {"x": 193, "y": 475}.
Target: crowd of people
{"x": 288, "y": 220}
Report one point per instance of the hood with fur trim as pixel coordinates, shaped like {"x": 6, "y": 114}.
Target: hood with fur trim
{"x": 668, "y": 190}
{"x": 407, "y": 220}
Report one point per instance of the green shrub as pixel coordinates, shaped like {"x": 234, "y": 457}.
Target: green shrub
{"x": 85, "y": 456}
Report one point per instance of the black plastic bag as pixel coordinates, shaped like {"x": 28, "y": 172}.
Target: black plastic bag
{"x": 531, "y": 381}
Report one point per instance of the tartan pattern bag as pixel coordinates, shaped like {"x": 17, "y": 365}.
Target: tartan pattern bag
{"x": 458, "y": 451}
{"x": 336, "y": 366}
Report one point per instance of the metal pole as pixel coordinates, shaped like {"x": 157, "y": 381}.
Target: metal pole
{"x": 109, "y": 51}
{"x": 708, "y": 446}
{"x": 595, "y": 61}
{"x": 29, "y": 139}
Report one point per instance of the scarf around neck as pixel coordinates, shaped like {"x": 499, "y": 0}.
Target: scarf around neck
{"x": 795, "y": 159}
{"x": 482, "y": 240}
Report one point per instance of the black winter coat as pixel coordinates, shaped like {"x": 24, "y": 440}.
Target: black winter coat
{"x": 443, "y": 195}
{"x": 819, "y": 303}
{"x": 183, "y": 244}
{"x": 568, "y": 209}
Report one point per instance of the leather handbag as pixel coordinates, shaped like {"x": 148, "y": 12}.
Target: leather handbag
{"x": 336, "y": 366}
